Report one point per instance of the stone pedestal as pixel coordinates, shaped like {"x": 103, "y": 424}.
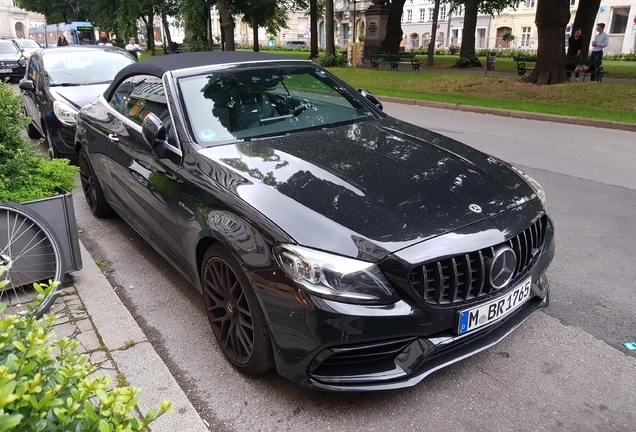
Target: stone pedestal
{"x": 375, "y": 31}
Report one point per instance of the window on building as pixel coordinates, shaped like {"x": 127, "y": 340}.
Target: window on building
{"x": 572, "y": 2}
{"x": 422, "y": 15}
{"x": 409, "y": 16}
{"x": 460, "y": 10}
{"x": 442, "y": 13}
{"x": 525, "y": 36}
{"x": 619, "y": 19}
{"x": 529, "y": 4}
{"x": 415, "y": 40}
{"x": 430, "y": 14}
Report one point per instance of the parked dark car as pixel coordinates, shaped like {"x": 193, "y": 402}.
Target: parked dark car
{"x": 58, "y": 82}
{"x": 12, "y": 62}
{"x": 345, "y": 248}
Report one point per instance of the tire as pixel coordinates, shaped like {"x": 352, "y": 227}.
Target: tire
{"x": 235, "y": 315}
{"x": 92, "y": 190}
{"x": 31, "y": 252}
{"x": 32, "y": 132}
{"x": 53, "y": 151}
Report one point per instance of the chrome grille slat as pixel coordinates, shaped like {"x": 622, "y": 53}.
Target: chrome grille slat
{"x": 464, "y": 277}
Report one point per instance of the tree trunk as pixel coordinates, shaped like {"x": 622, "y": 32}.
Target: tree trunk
{"x": 227, "y": 25}
{"x": 166, "y": 30}
{"x": 431, "y": 45}
{"x": 393, "y": 38}
{"x": 330, "y": 46}
{"x": 150, "y": 33}
{"x": 255, "y": 35}
{"x": 208, "y": 27}
{"x": 585, "y": 20}
{"x": 468, "y": 33}
{"x": 313, "y": 24}
{"x": 551, "y": 19}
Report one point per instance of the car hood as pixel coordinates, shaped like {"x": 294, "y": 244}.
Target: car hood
{"x": 366, "y": 189}
{"x": 10, "y": 56}
{"x": 78, "y": 96}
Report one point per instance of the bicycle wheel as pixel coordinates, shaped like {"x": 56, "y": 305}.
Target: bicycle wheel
{"x": 30, "y": 252}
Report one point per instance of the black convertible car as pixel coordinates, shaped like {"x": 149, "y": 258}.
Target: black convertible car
{"x": 345, "y": 248}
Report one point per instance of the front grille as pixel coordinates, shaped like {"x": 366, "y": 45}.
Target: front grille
{"x": 464, "y": 277}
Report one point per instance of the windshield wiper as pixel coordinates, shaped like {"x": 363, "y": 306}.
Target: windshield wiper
{"x": 65, "y": 85}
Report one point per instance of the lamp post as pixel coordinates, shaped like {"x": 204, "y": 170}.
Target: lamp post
{"x": 354, "y": 21}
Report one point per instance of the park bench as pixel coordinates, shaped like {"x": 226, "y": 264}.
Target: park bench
{"x": 394, "y": 60}
{"x": 522, "y": 64}
{"x": 595, "y": 66}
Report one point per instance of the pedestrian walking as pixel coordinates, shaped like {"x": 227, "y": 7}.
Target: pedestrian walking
{"x": 575, "y": 51}
{"x": 103, "y": 40}
{"x": 61, "y": 41}
{"x": 133, "y": 48}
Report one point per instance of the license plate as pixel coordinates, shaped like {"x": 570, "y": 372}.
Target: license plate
{"x": 6, "y": 70}
{"x": 484, "y": 314}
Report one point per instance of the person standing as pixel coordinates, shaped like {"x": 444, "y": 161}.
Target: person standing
{"x": 133, "y": 48}
{"x": 61, "y": 41}
{"x": 601, "y": 40}
{"x": 103, "y": 40}
{"x": 575, "y": 51}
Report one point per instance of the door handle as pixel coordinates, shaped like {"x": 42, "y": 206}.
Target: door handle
{"x": 113, "y": 137}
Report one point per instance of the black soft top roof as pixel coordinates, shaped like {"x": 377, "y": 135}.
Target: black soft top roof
{"x": 157, "y": 66}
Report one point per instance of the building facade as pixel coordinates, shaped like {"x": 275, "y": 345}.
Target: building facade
{"x": 14, "y": 22}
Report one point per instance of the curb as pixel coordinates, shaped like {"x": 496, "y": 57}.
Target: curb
{"x": 579, "y": 121}
{"x": 132, "y": 353}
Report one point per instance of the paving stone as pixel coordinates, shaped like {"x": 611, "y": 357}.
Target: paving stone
{"x": 89, "y": 340}
{"x": 84, "y": 324}
{"x": 64, "y": 330}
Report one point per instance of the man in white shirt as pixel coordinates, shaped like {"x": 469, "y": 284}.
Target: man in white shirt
{"x": 133, "y": 48}
{"x": 601, "y": 40}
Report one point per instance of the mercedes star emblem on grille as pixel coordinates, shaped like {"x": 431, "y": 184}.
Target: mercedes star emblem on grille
{"x": 474, "y": 208}
{"x": 3, "y": 65}
{"x": 502, "y": 267}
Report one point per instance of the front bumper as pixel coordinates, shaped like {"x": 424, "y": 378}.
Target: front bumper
{"x": 343, "y": 347}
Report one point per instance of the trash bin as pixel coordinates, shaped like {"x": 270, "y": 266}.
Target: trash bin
{"x": 491, "y": 59}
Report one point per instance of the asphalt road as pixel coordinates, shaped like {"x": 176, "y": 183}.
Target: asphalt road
{"x": 564, "y": 369}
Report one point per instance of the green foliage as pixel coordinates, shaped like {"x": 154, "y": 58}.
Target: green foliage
{"x": 621, "y": 57}
{"x": 468, "y": 62}
{"x": 26, "y": 174}
{"x": 453, "y": 50}
{"x": 505, "y": 53}
{"x": 508, "y": 37}
{"x": 338, "y": 60}
{"x": 43, "y": 391}
{"x": 195, "y": 46}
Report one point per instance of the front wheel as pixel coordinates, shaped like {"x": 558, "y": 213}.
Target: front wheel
{"x": 92, "y": 190}
{"x": 236, "y": 317}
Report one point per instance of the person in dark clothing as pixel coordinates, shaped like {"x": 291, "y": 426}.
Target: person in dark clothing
{"x": 103, "y": 40}
{"x": 575, "y": 51}
{"x": 61, "y": 41}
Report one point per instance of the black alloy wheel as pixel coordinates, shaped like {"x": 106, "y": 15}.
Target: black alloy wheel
{"x": 236, "y": 317}
{"x": 92, "y": 190}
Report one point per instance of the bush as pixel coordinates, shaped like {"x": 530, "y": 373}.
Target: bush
{"x": 453, "y": 50}
{"x": 338, "y": 60}
{"x": 468, "y": 62}
{"x": 25, "y": 174}
{"x": 42, "y": 392}
{"x": 195, "y": 46}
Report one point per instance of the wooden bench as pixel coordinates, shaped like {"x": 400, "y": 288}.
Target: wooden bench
{"x": 394, "y": 60}
{"x": 595, "y": 66}
{"x": 522, "y": 64}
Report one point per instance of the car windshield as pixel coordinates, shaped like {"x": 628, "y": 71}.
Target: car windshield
{"x": 26, "y": 43}
{"x": 7, "y": 47}
{"x": 264, "y": 102}
{"x": 83, "y": 67}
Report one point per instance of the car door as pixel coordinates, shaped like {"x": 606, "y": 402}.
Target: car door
{"x": 145, "y": 185}
{"x": 30, "y": 99}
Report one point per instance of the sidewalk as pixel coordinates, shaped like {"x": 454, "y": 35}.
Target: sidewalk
{"x": 90, "y": 312}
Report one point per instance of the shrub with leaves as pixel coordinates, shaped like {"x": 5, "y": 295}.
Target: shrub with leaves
{"x": 26, "y": 174}
{"x": 43, "y": 391}
{"x": 338, "y": 60}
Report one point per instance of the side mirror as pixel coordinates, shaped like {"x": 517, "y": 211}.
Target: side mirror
{"x": 371, "y": 98}
{"x": 27, "y": 85}
{"x": 153, "y": 131}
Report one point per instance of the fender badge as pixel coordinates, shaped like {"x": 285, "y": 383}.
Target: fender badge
{"x": 474, "y": 208}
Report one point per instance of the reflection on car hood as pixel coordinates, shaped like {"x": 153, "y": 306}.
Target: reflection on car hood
{"x": 384, "y": 185}
{"x": 78, "y": 96}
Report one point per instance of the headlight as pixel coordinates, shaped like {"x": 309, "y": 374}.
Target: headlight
{"x": 334, "y": 277}
{"x": 65, "y": 113}
{"x": 533, "y": 183}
